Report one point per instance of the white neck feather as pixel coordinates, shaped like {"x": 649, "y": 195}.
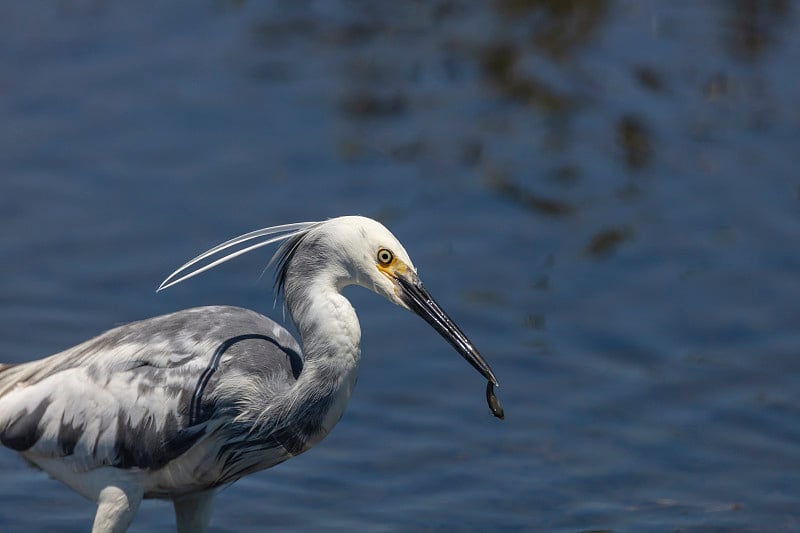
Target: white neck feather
{"x": 326, "y": 320}
{"x": 331, "y": 337}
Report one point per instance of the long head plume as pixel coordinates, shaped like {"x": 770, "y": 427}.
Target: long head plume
{"x": 234, "y": 249}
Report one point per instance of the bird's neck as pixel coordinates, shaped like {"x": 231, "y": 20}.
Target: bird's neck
{"x": 331, "y": 337}
{"x": 327, "y": 323}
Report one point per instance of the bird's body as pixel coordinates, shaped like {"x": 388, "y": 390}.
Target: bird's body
{"x": 211, "y": 381}
{"x": 177, "y": 405}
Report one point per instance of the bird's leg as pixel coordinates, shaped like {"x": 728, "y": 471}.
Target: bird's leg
{"x": 116, "y": 505}
{"x": 193, "y": 511}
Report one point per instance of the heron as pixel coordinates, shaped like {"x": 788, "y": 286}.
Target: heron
{"x": 176, "y": 406}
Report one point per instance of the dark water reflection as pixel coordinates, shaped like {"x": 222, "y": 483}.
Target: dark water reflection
{"x": 603, "y": 194}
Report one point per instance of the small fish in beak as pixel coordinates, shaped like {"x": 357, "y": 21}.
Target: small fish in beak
{"x": 494, "y": 403}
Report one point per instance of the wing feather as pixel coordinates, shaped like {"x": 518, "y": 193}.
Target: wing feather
{"x": 142, "y": 394}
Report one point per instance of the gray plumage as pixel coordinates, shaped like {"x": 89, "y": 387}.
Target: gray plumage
{"x": 181, "y": 358}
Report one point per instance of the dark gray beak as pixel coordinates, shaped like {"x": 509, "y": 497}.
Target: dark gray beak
{"x": 422, "y": 303}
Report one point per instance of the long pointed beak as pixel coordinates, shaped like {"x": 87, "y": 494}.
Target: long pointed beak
{"x": 416, "y": 297}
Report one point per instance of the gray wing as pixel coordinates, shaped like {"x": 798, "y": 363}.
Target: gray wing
{"x": 141, "y": 394}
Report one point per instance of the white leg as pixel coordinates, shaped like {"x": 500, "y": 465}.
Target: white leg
{"x": 193, "y": 511}
{"x": 116, "y": 506}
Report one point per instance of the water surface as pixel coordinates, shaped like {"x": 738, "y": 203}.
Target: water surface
{"x": 604, "y": 196}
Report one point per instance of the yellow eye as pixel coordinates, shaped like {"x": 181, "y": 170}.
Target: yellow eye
{"x": 385, "y": 257}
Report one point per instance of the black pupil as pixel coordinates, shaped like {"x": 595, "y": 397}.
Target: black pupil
{"x": 385, "y": 257}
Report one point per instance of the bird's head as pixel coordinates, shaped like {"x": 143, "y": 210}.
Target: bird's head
{"x": 349, "y": 250}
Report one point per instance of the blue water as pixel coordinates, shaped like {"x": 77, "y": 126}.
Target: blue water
{"x": 604, "y": 196}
